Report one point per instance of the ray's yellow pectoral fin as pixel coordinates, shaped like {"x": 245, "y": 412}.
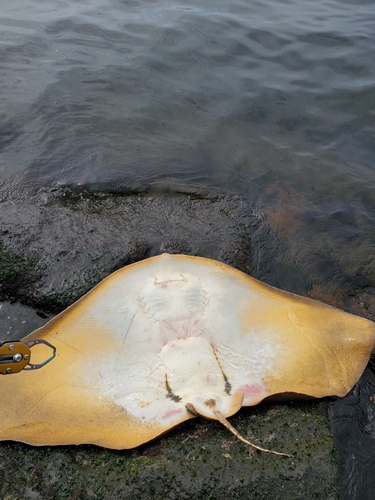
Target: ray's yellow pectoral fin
{"x": 175, "y": 330}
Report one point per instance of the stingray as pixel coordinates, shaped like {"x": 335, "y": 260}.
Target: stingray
{"x": 171, "y": 338}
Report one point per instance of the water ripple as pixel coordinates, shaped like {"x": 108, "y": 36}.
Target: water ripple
{"x": 109, "y": 90}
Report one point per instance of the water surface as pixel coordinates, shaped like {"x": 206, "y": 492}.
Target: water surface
{"x": 126, "y": 94}
{"x": 273, "y": 100}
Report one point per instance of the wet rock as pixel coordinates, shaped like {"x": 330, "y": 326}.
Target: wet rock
{"x": 57, "y": 244}
{"x": 353, "y": 428}
{"x": 199, "y": 459}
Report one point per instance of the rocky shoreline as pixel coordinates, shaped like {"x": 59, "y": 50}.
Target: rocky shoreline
{"x": 56, "y": 244}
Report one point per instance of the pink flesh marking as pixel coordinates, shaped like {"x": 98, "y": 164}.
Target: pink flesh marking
{"x": 172, "y": 411}
{"x": 253, "y": 391}
{"x": 190, "y": 327}
{"x": 162, "y": 284}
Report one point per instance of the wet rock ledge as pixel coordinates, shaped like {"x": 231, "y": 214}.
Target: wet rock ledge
{"x": 54, "y": 246}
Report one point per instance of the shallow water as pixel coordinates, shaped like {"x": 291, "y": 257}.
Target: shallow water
{"x": 273, "y": 100}
{"x": 124, "y": 95}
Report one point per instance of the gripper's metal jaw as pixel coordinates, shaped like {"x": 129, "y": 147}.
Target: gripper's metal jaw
{"x": 16, "y": 355}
